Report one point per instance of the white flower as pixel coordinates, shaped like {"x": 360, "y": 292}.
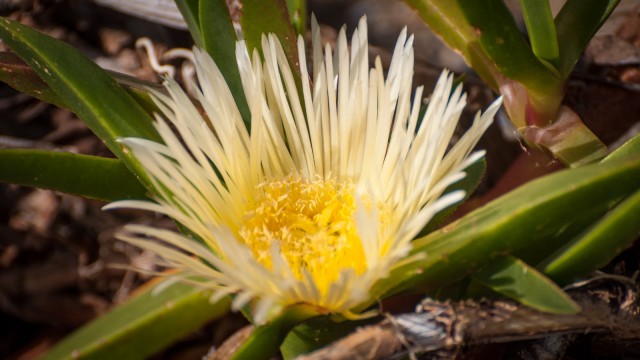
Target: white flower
{"x": 322, "y": 197}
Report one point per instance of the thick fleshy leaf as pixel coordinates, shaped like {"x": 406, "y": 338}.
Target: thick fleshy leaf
{"x": 270, "y": 17}
{"x": 513, "y": 278}
{"x": 499, "y": 37}
{"x": 486, "y": 35}
{"x": 264, "y": 342}
{"x": 17, "y": 74}
{"x": 541, "y": 29}
{"x": 140, "y": 90}
{"x": 298, "y": 15}
{"x": 190, "y": 12}
{"x": 628, "y": 149}
{"x": 530, "y": 222}
{"x": 219, "y": 40}
{"x": 316, "y": 333}
{"x": 576, "y": 24}
{"x": 83, "y": 175}
{"x": 86, "y": 89}
{"x": 598, "y": 245}
{"x": 488, "y": 38}
{"x": 143, "y": 325}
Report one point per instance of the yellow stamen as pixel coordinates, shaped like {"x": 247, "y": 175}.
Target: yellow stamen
{"x": 313, "y": 223}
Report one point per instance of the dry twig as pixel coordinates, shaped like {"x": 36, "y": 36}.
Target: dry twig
{"x": 610, "y": 308}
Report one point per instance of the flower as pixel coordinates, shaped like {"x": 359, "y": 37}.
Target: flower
{"x": 322, "y": 197}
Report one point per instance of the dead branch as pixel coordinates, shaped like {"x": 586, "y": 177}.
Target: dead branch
{"x": 610, "y": 307}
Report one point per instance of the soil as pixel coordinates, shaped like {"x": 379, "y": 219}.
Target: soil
{"x": 60, "y": 265}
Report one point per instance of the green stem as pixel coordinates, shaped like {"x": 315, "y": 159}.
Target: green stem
{"x": 264, "y": 342}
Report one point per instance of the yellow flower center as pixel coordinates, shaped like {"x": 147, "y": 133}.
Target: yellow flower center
{"x": 313, "y": 224}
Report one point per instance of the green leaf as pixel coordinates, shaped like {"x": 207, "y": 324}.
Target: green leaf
{"x": 576, "y": 24}
{"x": 211, "y": 27}
{"x": 265, "y": 340}
{"x": 270, "y": 17}
{"x": 86, "y": 89}
{"x": 530, "y": 222}
{"x": 513, "y": 278}
{"x": 143, "y": 325}
{"x": 488, "y": 38}
{"x": 139, "y": 90}
{"x": 219, "y": 39}
{"x": 486, "y": 35}
{"x": 628, "y": 149}
{"x": 88, "y": 176}
{"x": 469, "y": 183}
{"x": 190, "y": 12}
{"x": 500, "y": 39}
{"x": 298, "y": 15}
{"x": 17, "y": 74}
{"x": 598, "y": 245}
{"x": 541, "y": 29}
{"x": 318, "y": 332}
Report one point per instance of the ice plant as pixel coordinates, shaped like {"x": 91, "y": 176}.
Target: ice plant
{"x": 323, "y": 195}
